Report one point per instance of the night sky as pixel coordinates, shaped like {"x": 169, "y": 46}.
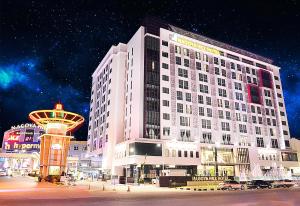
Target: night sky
{"x": 49, "y": 50}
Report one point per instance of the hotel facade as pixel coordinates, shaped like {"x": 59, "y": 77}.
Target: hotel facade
{"x": 172, "y": 102}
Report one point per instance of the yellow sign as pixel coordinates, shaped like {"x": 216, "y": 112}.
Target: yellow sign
{"x": 184, "y": 41}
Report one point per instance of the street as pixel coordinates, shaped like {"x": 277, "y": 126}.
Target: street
{"x": 17, "y": 191}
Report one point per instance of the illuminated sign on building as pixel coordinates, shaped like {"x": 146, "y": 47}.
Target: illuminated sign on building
{"x": 22, "y": 146}
{"x": 25, "y": 126}
{"x": 179, "y": 39}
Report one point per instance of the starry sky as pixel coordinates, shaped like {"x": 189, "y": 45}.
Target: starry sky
{"x": 49, "y": 49}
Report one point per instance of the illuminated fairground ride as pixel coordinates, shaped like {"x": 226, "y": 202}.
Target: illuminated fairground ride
{"x": 55, "y": 142}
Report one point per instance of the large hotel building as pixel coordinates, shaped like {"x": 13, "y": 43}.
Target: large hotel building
{"x": 173, "y": 101}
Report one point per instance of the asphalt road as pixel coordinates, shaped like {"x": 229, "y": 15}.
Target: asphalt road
{"x": 49, "y": 195}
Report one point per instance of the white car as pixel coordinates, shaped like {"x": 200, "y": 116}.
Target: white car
{"x": 3, "y": 173}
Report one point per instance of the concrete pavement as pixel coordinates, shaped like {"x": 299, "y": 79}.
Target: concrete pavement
{"x": 49, "y": 194}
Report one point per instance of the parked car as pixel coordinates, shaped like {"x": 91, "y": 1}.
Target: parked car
{"x": 283, "y": 183}
{"x": 3, "y": 173}
{"x": 231, "y": 185}
{"x": 259, "y": 184}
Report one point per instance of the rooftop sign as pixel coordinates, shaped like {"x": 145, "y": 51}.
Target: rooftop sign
{"x": 179, "y": 39}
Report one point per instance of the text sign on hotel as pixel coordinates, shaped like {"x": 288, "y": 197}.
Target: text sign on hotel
{"x": 179, "y": 39}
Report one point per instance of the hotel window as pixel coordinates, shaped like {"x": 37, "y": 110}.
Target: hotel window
{"x": 166, "y": 116}
{"x": 186, "y": 52}
{"x": 178, "y": 60}
{"x": 191, "y": 154}
{"x": 209, "y": 112}
{"x": 165, "y": 90}
{"x": 267, "y": 111}
{"x": 282, "y": 114}
{"x": 254, "y": 81}
{"x": 274, "y": 122}
{"x": 165, "y": 66}
{"x": 202, "y": 77}
{"x": 276, "y": 77}
{"x": 287, "y": 143}
{"x": 233, "y": 75}
{"x": 267, "y": 93}
{"x": 238, "y": 67}
{"x": 238, "y": 116}
{"x": 205, "y": 57}
{"x": 203, "y": 88}
{"x": 247, "y": 70}
{"x": 165, "y": 54}
{"x": 239, "y": 96}
{"x": 259, "y": 120}
{"x": 254, "y": 119}
{"x": 283, "y": 122}
{"x": 271, "y": 132}
{"x": 243, "y": 128}
{"x": 244, "y": 118}
{"x": 186, "y": 62}
{"x": 166, "y": 131}
{"x": 248, "y": 79}
{"x": 179, "y": 95}
{"x": 165, "y": 78}
{"x": 167, "y": 153}
{"x": 164, "y": 43}
{"x": 198, "y": 56}
{"x": 274, "y": 143}
{"x": 238, "y": 86}
{"x": 258, "y": 110}
{"x": 252, "y": 109}
{"x": 197, "y": 154}
{"x": 216, "y": 60}
{"x": 173, "y": 153}
{"x": 217, "y": 70}
{"x": 253, "y": 72}
{"x": 221, "y": 82}
{"x": 177, "y": 50}
{"x": 258, "y": 130}
{"x": 232, "y": 65}
{"x": 198, "y": 65}
{"x": 206, "y": 124}
{"x": 182, "y": 72}
{"x": 185, "y": 153}
{"x": 188, "y": 109}
{"x": 280, "y": 104}
{"x": 222, "y": 92}
{"x": 220, "y": 103}
{"x": 208, "y": 100}
{"x": 221, "y": 114}
{"x": 226, "y": 103}
{"x": 179, "y": 108}
{"x": 184, "y": 121}
{"x": 225, "y": 126}
{"x": 260, "y": 142}
{"x": 206, "y": 137}
{"x": 278, "y": 86}
{"x": 273, "y": 112}
{"x": 166, "y": 103}
{"x": 75, "y": 147}
{"x": 179, "y": 153}
{"x": 200, "y": 99}
{"x": 279, "y": 95}
{"x": 269, "y": 102}
{"x": 183, "y": 84}
{"x": 201, "y": 111}
{"x": 228, "y": 116}
{"x": 188, "y": 97}
{"x": 222, "y": 62}
{"x": 223, "y": 72}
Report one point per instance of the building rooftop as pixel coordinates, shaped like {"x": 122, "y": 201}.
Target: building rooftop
{"x": 153, "y": 24}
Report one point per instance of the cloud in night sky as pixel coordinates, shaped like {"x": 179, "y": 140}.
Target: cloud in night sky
{"x": 25, "y": 87}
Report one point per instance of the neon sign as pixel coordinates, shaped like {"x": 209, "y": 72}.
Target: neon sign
{"x": 179, "y": 39}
